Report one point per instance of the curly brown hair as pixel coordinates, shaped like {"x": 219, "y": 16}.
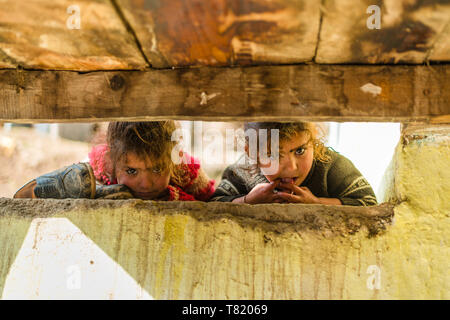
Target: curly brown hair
{"x": 150, "y": 139}
{"x": 288, "y": 130}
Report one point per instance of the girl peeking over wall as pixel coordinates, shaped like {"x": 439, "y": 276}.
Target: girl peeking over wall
{"x": 136, "y": 162}
{"x": 288, "y": 163}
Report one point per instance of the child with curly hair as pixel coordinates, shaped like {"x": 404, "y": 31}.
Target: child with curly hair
{"x": 300, "y": 169}
{"x": 136, "y": 162}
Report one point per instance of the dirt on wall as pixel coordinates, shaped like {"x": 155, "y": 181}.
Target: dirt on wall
{"x": 277, "y": 218}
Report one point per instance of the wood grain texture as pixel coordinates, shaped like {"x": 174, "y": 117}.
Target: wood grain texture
{"x": 34, "y": 34}
{"x": 224, "y": 32}
{"x": 282, "y": 93}
{"x": 129, "y": 34}
{"x": 412, "y": 31}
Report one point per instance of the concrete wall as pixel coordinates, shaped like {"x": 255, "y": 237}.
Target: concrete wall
{"x": 142, "y": 250}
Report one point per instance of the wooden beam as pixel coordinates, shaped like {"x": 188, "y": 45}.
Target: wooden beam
{"x": 45, "y": 34}
{"x": 410, "y": 32}
{"x": 224, "y": 32}
{"x": 126, "y": 34}
{"x": 281, "y": 93}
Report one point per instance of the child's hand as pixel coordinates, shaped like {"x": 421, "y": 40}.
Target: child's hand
{"x": 263, "y": 193}
{"x": 300, "y": 194}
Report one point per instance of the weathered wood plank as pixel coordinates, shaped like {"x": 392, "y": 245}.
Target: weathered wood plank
{"x": 307, "y": 92}
{"x": 411, "y": 31}
{"x": 224, "y": 32}
{"x": 35, "y": 34}
{"x": 441, "y": 48}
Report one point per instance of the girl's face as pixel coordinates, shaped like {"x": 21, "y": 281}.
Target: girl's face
{"x": 145, "y": 180}
{"x": 295, "y": 160}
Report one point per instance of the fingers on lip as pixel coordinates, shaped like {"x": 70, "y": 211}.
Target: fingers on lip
{"x": 288, "y": 180}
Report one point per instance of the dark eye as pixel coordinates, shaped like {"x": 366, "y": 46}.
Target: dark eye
{"x": 157, "y": 170}
{"x": 131, "y": 171}
{"x": 300, "y": 151}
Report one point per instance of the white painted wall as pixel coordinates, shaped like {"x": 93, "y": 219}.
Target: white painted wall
{"x": 370, "y": 146}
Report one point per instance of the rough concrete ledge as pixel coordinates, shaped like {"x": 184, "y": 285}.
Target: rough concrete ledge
{"x": 279, "y": 218}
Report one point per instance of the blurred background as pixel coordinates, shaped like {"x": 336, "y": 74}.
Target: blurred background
{"x": 27, "y": 151}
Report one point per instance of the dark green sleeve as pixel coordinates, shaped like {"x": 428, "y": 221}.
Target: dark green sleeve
{"x": 347, "y": 184}
{"x": 230, "y": 187}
